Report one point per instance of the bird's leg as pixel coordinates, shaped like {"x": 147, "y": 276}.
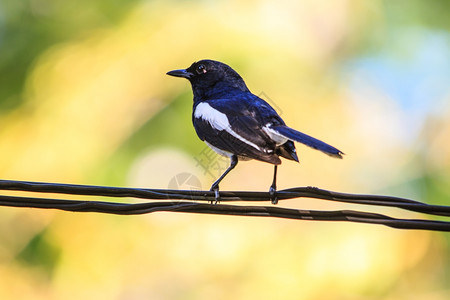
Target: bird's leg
{"x": 273, "y": 187}
{"x": 215, "y": 186}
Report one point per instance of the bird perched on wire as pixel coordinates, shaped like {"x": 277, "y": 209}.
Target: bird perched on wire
{"x": 238, "y": 124}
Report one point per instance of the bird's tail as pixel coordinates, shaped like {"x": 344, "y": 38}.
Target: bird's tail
{"x": 309, "y": 141}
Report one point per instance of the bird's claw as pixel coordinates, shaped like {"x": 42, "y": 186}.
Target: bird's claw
{"x": 312, "y": 187}
{"x": 273, "y": 194}
{"x": 216, "y": 194}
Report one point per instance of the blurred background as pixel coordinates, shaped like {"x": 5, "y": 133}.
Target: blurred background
{"x": 84, "y": 99}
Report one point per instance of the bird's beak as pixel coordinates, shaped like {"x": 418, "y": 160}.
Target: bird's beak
{"x": 180, "y": 73}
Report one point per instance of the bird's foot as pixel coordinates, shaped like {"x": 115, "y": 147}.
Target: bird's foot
{"x": 312, "y": 187}
{"x": 273, "y": 194}
{"x": 215, "y": 188}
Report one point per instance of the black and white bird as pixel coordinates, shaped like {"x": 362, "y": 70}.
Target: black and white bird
{"x": 238, "y": 124}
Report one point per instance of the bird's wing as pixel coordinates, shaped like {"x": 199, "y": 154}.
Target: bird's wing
{"x": 234, "y": 126}
{"x": 269, "y": 122}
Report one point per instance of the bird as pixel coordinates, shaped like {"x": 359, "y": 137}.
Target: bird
{"x": 239, "y": 125}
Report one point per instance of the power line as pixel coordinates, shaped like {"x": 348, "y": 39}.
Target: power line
{"x": 184, "y": 203}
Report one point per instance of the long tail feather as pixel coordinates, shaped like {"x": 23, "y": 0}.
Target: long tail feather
{"x": 307, "y": 140}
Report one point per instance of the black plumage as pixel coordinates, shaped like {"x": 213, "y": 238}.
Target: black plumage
{"x": 238, "y": 124}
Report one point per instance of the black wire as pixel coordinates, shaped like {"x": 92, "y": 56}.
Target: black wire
{"x": 223, "y": 209}
{"x": 160, "y": 194}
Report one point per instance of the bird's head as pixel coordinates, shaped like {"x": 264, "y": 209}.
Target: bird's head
{"x": 210, "y": 78}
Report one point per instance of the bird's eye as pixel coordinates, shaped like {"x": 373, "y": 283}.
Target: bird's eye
{"x": 201, "y": 69}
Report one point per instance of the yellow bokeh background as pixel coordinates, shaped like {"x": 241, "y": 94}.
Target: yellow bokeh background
{"x": 92, "y": 105}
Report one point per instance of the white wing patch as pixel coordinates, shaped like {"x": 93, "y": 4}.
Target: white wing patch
{"x": 218, "y": 121}
{"x": 214, "y": 117}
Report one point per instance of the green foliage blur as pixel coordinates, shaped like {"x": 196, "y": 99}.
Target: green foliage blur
{"x": 84, "y": 99}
